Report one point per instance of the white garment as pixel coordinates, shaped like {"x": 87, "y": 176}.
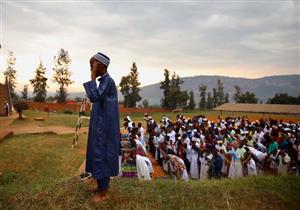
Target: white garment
{"x": 251, "y": 168}
{"x": 283, "y": 164}
{"x": 144, "y": 167}
{"x": 193, "y": 159}
{"x": 185, "y": 175}
{"x": 172, "y": 136}
{"x": 235, "y": 169}
{"x": 258, "y": 154}
{"x": 157, "y": 141}
{"x": 120, "y": 165}
{"x": 203, "y": 168}
{"x": 187, "y": 141}
{"x": 142, "y": 138}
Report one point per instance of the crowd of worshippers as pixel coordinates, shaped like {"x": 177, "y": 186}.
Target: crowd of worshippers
{"x": 233, "y": 147}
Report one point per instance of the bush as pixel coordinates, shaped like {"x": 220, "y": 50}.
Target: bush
{"x": 20, "y": 106}
{"x": 68, "y": 112}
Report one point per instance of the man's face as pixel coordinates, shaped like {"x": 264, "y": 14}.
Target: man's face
{"x": 97, "y": 66}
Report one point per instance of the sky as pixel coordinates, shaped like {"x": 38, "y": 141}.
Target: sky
{"x": 235, "y": 38}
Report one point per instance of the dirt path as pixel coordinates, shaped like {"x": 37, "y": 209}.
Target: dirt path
{"x": 17, "y": 129}
{"x": 27, "y": 129}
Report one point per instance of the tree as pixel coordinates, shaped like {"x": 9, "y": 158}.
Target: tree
{"x": 50, "y": 98}
{"x": 62, "y": 74}
{"x": 283, "y": 98}
{"x": 237, "y": 94}
{"x": 209, "y": 104}
{"x": 173, "y": 96}
{"x": 145, "y": 103}
{"x": 10, "y": 73}
{"x": 182, "y": 99}
{"x": 125, "y": 89}
{"x": 165, "y": 86}
{"x": 220, "y": 93}
{"x": 202, "y": 90}
{"x": 130, "y": 87}
{"x": 226, "y": 98}
{"x": 78, "y": 99}
{"x": 134, "y": 84}
{"x": 214, "y": 98}
{"x": 192, "y": 103}
{"x": 24, "y": 92}
{"x": 19, "y": 107}
{"x": 248, "y": 97}
{"x": 39, "y": 83}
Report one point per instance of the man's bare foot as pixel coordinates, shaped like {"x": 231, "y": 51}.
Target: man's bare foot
{"x": 101, "y": 195}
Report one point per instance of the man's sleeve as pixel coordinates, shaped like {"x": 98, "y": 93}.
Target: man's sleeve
{"x": 93, "y": 93}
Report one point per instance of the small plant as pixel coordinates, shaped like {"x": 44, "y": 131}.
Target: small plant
{"x": 19, "y": 107}
{"x": 67, "y": 112}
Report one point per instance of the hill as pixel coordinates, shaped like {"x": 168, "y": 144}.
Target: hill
{"x": 264, "y": 88}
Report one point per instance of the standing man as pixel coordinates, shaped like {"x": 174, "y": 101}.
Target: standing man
{"x": 102, "y": 157}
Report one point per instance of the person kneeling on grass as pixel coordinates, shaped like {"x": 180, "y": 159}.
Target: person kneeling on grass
{"x": 102, "y": 156}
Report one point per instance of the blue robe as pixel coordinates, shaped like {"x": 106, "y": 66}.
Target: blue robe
{"x": 102, "y": 156}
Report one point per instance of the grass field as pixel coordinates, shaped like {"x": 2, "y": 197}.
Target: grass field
{"x": 55, "y": 119}
{"x": 38, "y": 173}
{"x": 69, "y": 120}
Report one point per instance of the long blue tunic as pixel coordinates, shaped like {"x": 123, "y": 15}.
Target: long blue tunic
{"x": 102, "y": 156}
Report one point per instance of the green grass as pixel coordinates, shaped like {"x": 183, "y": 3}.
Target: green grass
{"x": 55, "y": 119}
{"x": 212, "y": 115}
{"x": 70, "y": 120}
{"x": 38, "y": 173}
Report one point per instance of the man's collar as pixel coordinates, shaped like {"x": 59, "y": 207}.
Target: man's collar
{"x": 104, "y": 75}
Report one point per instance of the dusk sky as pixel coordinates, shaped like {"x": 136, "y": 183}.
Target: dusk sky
{"x": 238, "y": 38}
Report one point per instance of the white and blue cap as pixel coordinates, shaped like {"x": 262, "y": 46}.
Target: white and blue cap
{"x": 102, "y": 58}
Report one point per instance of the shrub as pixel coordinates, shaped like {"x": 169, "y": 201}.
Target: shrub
{"x": 68, "y": 112}
{"x": 19, "y": 107}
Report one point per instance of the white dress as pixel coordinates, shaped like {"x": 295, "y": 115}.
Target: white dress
{"x": 203, "y": 168}
{"x": 251, "y": 168}
{"x": 235, "y": 169}
{"x": 193, "y": 159}
{"x": 143, "y": 167}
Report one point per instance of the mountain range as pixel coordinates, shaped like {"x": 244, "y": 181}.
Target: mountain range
{"x": 264, "y": 88}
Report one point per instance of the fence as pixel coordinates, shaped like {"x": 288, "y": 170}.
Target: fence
{"x": 60, "y": 107}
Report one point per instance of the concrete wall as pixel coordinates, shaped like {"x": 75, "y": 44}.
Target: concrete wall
{"x": 60, "y": 107}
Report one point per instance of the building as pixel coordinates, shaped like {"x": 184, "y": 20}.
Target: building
{"x": 4, "y": 96}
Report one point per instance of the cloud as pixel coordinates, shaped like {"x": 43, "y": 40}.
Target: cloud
{"x": 251, "y": 39}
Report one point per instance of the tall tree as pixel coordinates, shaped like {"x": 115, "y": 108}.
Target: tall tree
{"x": 130, "y": 87}
{"x": 125, "y": 90}
{"x": 226, "y": 98}
{"x": 237, "y": 93}
{"x": 62, "y": 74}
{"x": 192, "y": 103}
{"x": 10, "y": 73}
{"x": 24, "y": 92}
{"x": 220, "y": 93}
{"x": 202, "y": 90}
{"x": 209, "y": 104}
{"x": 165, "y": 86}
{"x": 145, "y": 103}
{"x": 173, "y": 96}
{"x": 39, "y": 83}
{"x": 247, "y": 97}
{"x": 135, "y": 85}
{"x": 214, "y": 98}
